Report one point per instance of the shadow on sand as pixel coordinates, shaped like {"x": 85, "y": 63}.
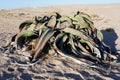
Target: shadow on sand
{"x": 109, "y": 37}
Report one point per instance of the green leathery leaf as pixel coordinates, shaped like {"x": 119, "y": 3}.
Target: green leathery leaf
{"x": 64, "y": 18}
{"x": 28, "y": 33}
{"x": 25, "y": 24}
{"x": 90, "y": 56}
{"x": 88, "y": 22}
{"x": 99, "y": 36}
{"x": 59, "y": 42}
{"x": 87, "y": 17}
{"x": 82, "y": 14}
{"x": 31, "y": 27}
{"x": 72, "y": 44}
{"x": 78, "y": 20}
{"x": 61, "y": 47}
{"x": 88, "y": 44}
{"x": 83, "y": 48}
{"x": 41, "y": 27}
{"x": 24, "y": 35}
{"x": 65, "y": 22}
{"x": 38, "y": 19}
{"x": 84, "y": 52}
{"x": 45, "y": 18}
{"x": 74, "y": 32}
{"x": 47, "y": 34}
{"x": 78, "y": 33}
{"x": 94, "y": 50}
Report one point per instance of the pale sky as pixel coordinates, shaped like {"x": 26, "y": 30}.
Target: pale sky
{"x": 8, "y": 4}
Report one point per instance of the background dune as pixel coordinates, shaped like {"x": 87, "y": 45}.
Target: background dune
{"x": 106, "y": 18}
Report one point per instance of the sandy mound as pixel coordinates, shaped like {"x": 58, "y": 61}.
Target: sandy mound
{"x": 106, "y": 19}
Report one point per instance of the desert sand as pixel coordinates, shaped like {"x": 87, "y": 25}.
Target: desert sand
{"x": 106, "y": 18}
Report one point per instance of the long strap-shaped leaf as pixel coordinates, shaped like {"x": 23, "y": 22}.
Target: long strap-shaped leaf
{"x": 58, "y": 46}
{"x": 72, "y": 43}
{"x": 94, "y": 50}
{"x": 79, "y": 34}
{"x": 19, "y": 40}
{"x": 84, "y": 52}
{"x": 59, "y": 42}
{"x": 25, "y": 24}
{"x": 42, "y": 42}
{"x": 78, "y": 20}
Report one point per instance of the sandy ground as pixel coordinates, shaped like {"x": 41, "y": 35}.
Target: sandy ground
{"x": 55, "y": 68}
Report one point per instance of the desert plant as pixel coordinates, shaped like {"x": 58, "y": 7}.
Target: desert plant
{"x": 74, "y": 37}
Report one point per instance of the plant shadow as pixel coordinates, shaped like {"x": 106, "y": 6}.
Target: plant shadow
{"x": 109, "y": 37}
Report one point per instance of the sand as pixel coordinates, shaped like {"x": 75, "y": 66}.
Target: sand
{"x": 106, "y": 18}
